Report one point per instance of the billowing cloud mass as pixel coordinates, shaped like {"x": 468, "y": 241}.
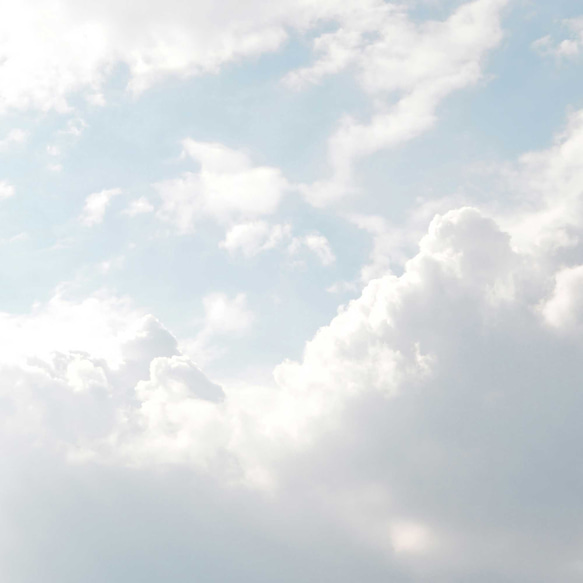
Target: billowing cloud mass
{"x": 434, "y": 420}
{"x": 199, "y": 407}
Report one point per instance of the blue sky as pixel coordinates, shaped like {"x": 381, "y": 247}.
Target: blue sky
{"x": 297, "y": 289}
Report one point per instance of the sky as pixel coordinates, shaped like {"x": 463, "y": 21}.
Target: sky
{"x": 291, "y": 292}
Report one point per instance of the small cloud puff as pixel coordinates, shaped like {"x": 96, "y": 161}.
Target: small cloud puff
{"x": 96, "y": 205}
{"x": 568, "y": 48}
{"x": 139, "y": 206}
{"x": 6, "y": 189}
{"x": 254, "y": 237}
{"x": 317, "y": 244}
{"x": 228, "y": 187}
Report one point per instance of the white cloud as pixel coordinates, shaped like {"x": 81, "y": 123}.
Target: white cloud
{"x": 564, "y": 309}
{"x": 6, "y": 189}
{"x": 14, "y": 136}
{"x": 566, "y": 49}
{"x": 54, "y": 50}
{"x": 254, "y": 237}
{"x": 225, "y": 318}
{"x": 422, "y": 63}
{"x": 139, "y": 206}
{"x": 96, "y": 326}
{"x": 384, "y": 430}
{"x": 393, "y": 244}
{"x": 228, "y": 187}
{"x": 317, "y": 244}
{"x": 75, "y": 127}
{"x": 96, "y": 205}
{"x": 53, "y": 150}
{"x": 426, "y": 383}
{"x": 546, "y": 204}
{"x": 542, "y": 208}
{"x": 321, "y": 247}
{"x": 429, "y": 432}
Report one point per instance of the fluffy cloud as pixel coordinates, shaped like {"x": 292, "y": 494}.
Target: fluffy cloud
{"x": 426, "y": 420}
{"x": 429, "y": 432}
{"x": 6, "y": 189}
{"x": 432, "y": 425}
{"x": 254, "y": 237}
{"x": 96, "y": 205}
{"x": 317, "y": 244}
{"x": 53, "y": 50}
{"x": 545, "y": 208}
{"x": 408, "y": 68}
{"x": 227, "y": 188}
{"x": 432, "y": 422}
{"x": 567, "y": 48}
{"x": 564, "y": 309}
{"x": 70, "y": 369}
{"x": 224, "y": 317}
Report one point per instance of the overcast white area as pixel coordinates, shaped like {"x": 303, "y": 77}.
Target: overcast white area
{"x": 291, "y": 292}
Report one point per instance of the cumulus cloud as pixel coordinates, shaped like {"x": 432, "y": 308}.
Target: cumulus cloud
{"x": 547, "y": 186}
{"x": 73, "y": 367}
{"x": 96, "y": 205}
{"x": 227, "y": 188}
{"x": 431, "y": 422}
{"x": 429, "y": 432}
{"x": 427, "y": 373}
{"x": 254, "y": 237}
{"x": 423, "y": 421}
{"x": 568, "y": 48}
{"x": 542, "y": 211}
